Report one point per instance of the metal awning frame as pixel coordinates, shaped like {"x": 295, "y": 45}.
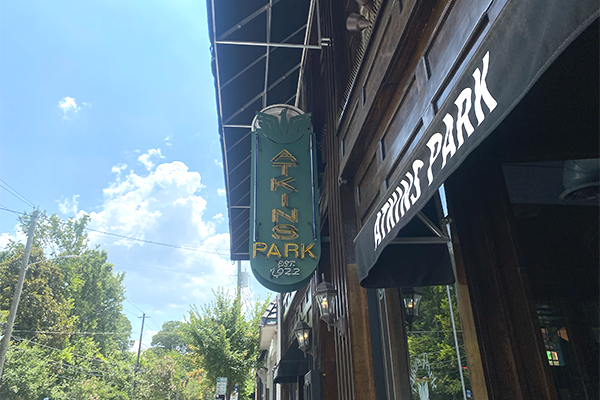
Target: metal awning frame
{"x": 269, "y": 47}
{"x": 322, "y": 42}
{"x": 438, "y": 238}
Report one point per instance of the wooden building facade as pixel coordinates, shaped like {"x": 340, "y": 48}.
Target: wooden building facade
{"x": 459, "y": 145}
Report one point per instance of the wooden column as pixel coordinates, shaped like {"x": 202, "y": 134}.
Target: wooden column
{"x": 469, "y": 333}
{"x": 399, "y": 344}
{"x": 506, "y": 322}
{"x": 358, "y": 325}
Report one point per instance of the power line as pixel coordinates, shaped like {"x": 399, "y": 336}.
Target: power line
{"x": 66, "y": 365}
{"x": 54, "y": 348}
{"x": 155, "y": 324}
{"x": 142, "y": 311}
{"x": 175, "y": 246}
{"x": 168, "y": 269}
{"x": 155, "y": 243}
{"x": 15, "y": 193}
{"x": 73, "y": 332}
{"x": 134, "y": 314}
{"x": 12, "y": 211}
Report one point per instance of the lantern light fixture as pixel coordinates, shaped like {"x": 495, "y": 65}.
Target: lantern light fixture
{"x": 412, "y": 302}
{"x": 303, "y": 334}
{"x": 325, "y": 295}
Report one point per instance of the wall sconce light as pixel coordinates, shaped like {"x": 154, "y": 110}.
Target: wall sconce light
{"x": 412, "y": 301}
{"x": 325, "y": 295}
{"x": 357, "y": 23}
{"x": 303, "y": 334}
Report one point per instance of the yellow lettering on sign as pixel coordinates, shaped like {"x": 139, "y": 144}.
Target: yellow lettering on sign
{"x": 289, "y": 248}
{"x": 292, "y": 250}
{"x": 261, "y": 249}
{"x": 284, "y": 200}
{"x": 274, "y": 251}
{"x": 284, "y": 183}
{"x": 306, "y": 250}
{"x": 284, "y": 160}
{"x": 276, "y": 213}
{"x": 285, "y": 232}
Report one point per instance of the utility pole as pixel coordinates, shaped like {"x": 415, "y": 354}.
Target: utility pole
{"x": 18, "y": 289}
{"x": 137, "y": 361}
{"x": 239, "y": 278}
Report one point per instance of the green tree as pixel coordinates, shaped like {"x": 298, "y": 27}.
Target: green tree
{"x": 224, "y": 341}
{"x": 26, "y": 373}
{"x": 83, "y": 371}
{"x": 432, "y": 349}
{"x": 98, "y": 294}
{"x": 70, "y": 330}
{"x": 157, "y": 378}
{"x": 95, "y": 291}
{"x": 44, "y": 305}
{"x": 170, "y": 337}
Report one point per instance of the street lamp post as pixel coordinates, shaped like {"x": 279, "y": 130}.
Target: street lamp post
{"x": 18, "y": 289}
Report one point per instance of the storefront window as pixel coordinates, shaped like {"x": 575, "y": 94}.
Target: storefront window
{"x": 561, "y": 350}
{"x": 437, "y": 372}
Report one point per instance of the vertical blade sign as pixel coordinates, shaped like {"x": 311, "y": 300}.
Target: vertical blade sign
{"x": 284, "y": 218}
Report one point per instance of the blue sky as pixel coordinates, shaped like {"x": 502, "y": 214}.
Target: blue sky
{"x": 108, "y": 108}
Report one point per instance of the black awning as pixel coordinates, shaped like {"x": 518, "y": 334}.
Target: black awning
{"x": 524, "y": 41}
{"x": 292, "y": 365}
{"x": 417, "y": 256}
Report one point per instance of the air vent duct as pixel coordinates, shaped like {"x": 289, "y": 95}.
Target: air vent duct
{"x": 581, "y": 179}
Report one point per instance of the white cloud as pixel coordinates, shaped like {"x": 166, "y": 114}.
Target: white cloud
{"x": 69, "y": 107}
{"x": 219, "y": 163}
{"x": 68, "y": 206}
{"x": 167, "y": 140}
{"x": 221, "y": 192}
{"x": 117, "y": 169}
{"x": 164, "y": 206}
{"x": 18, "y": 237}
{"x": 145, "y": 158}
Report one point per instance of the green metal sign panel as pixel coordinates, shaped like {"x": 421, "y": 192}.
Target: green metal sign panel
{"x": 285, "y": 246}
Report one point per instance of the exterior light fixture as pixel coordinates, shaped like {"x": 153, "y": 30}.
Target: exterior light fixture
{"x": 412, "y": 301}
{"x": 303, "y": 335}
{"x": 325, "y": 295}
{"x": 356, "y": 23}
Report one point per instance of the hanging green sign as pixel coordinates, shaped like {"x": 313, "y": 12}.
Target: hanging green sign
{"x": 284, "y": 218}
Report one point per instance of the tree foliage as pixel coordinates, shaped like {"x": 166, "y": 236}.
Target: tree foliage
{"x": 44, "y": 305}
{"x": 26, "y": 374}
{"x": 170, "y": 337}
{"x": 70, "y": 338}
{"x": 224, "y": 341}
{"x": 432, "y": 349}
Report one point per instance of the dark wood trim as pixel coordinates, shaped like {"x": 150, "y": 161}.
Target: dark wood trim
{"x": 398, "y": 343}
{"x": 469, "y": 331}
{"x": 583, "y": 346}
{"x": 436, "y": 45}
{"x": 358, "y": 325}
{"x": 396, "y": 30}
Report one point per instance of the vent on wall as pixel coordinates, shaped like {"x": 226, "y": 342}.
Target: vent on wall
{"x": 581, "y": 180}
